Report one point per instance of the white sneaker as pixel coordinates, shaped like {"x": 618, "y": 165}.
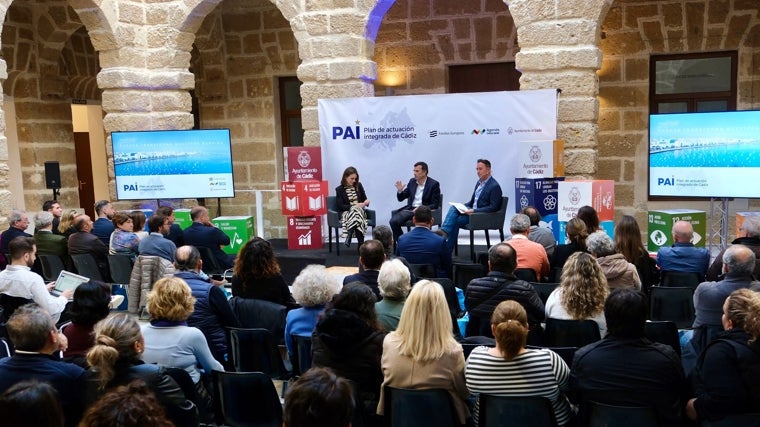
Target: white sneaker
{"x": 116, "y": 301}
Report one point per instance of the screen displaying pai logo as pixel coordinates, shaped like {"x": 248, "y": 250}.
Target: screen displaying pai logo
{"x": 131, "y": 187}
{"x": 666, "y": 181}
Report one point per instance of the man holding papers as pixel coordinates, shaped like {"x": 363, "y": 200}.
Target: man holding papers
{"x": 485, "y": 198}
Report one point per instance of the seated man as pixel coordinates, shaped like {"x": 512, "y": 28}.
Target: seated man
{"x": 530, "y": 255}
{"x": 371, "y": 258}
{"x": 54, "y": 208}
{"x": 18, "y": 222}
{"x": 484, "y": 294}
{"x": 625, "y": 368}
{"x": 422, "y": 246}
{"x": 485, "y": 198}
{"x": 18, "y": 281}
{"x": 47, "y": 242}
{"x": 203, "y": 233}
{"x": 319, "y": 398}
{"x": 83, "y": 241}
{"x": 420, "y": 191}
{"x": 175, "y": 231}
{"x": 539, "y": 234}
{"x": 683, "y": 256}
{"x": 36, "y": 339}
{"x": 156, "y": 243}
{"x": 103, "y": 226}
{"x": 749, "y": 236}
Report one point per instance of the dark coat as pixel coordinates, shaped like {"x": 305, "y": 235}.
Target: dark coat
{"x": 341, "y": 196}
{"x": 198, "y": 234}
{"x": 490, "y": 197}
{"x": 431, "y": 195}
{"x": 422, "y": 246}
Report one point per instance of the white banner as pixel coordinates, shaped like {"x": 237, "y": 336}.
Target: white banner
{"x": 384, "y": 136}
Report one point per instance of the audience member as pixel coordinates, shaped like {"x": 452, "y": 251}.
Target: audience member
{"x": 18, "y": 223}
{"x": 90, "y": 306}
{"x": 588, "y": 215}
{"x": 54, "y": 208}
{"x": 628, "y": 243}
{"x": 625, "y": 368}
{"x": 500, "y": 284}
{"x": 66, "y": 226}
{"x": 123, "y": 240}
{"x": 257, "y": 274}
{"x": 530, "y": 255}
{"x": 619, "y": 272}
{"x": 419, "y": 191}
{"x": 35, "y": 338}
{"x": 576, "y": 233}
{"x": 738, "y": 265}
{"x": 485, "y": 198}
{"x": 510, "y": 369}
{"x": 683, "y": 256}
{"x": 348, "y": 339}
{"x": 313, "y": 288}
{"x": 394, "y": 285}
{"x": 175, "y": 233}
{"x": 116, "y": 360}
{"x": 103, "y": 226}
{"x": 31, "y": 403}
{"x": 319, "y": 398}
{"x": 202, "y": 233}
{"x": 384, "y": 235}
{"x": 749, "y": 236}
{"x": 171, "y": 343}
{"x": 131, "y": 405}
{"x": 422, "y": 352}
{"x": 48, "y": 242}
{"x": 83, "y": 241}
{"x": 138, "y": 223}
{"x": 728, "y": 371}
{"x": 371, "y": 257}
{"x": 581, "y": 293}
{"x": 422, "y": 246}
{"x": 212, "y": 313}
{"x": 538, "y": 233}
{"x": 18, "y": 280}
{"x": 156, "y": 243}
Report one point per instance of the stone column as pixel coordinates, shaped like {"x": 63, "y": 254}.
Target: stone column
{"x": 5, "y": 194}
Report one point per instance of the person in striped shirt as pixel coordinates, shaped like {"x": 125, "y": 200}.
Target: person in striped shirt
{"x": 510, "y": 369}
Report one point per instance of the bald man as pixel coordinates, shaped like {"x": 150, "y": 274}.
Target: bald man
{"x": 203, "y": 233}
{"x": 683, "y": 256}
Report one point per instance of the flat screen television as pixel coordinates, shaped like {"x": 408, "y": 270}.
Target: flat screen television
{"x": 705, "y": 154}
{"x": 173, "y": 164}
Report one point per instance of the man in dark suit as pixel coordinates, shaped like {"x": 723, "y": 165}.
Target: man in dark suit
{"x": 18, "y": 222}
{"x": 47, "y": 242}
{"x": 371, "y": 257}
{"x": 102, "y": 227}
{"x": 420, "y": 191}
{"x": 175, "y": 231}
{"x": 485, "y": 198}
{"x": 83, "y": 241}
{"x": 422, "y": 246}
{"x": 203, "y": 233}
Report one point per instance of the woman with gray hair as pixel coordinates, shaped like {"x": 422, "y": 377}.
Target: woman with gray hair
{"x": 394, "y": 283}
{"x": 619, "y": 272}
{"x": 312, "y": 289}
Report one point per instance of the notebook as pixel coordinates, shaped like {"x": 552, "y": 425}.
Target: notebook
{"x": 67, "y": 280}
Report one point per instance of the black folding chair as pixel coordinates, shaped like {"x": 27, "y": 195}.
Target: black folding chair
{"x": 497, "y": 411}
{"x": 418, "y": 408}
{"x": 233, "y": 393}
{"x": 571, "y": 333}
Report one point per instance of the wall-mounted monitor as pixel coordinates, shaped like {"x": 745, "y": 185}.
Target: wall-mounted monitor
{"x": 173, "y": 164}
{"x": 705, "y": 154}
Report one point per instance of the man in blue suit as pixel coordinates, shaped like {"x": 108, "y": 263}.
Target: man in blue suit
{"x": 422, "y": 246}
{"x": 420, "y": 191}
{"x": 485, "y": 198}
{"x": 203, "y": 233}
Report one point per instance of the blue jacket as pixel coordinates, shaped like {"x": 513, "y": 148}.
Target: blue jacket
{"x": 490, "y": 197}
{"x": 198, "y": 234}
{"x": 684, "y": 257}
{"x": 422, "y": 246}
{"x": 103, "y": 227}
{"x": 431, "y": 195}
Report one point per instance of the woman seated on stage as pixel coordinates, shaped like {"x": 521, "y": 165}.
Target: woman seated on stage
{"x": 352, "y": 200}
{"x": 257, "y": 274}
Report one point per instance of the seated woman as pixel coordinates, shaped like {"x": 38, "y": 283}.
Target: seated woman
{"x": 348, "y": 339}
{"x": 576, "y": 235}
{"x": 619, "y": 272}
{"x": 588, "y": 215}
{"x": 422, "y": 353}
{"x": 89, "y": 306}
{"x": 728, "y": 370}
{"x": 138, "y": 224}
{"x": 171, "y": 343}
{"x": 394, "y": 284}
{"x": 257, "y": 274}
{"x": 123, "y": 240}
{"x": 352, "y": 200}
{"x": 66, "y": 225}
{"x": 510, "y": 369}
{"x": 313, "y": 288}
{"x": 628, "y": 243}
{"x": 134, "y": 405}
{"x": 115, "y": 359}
{"x": 581, "y": 292}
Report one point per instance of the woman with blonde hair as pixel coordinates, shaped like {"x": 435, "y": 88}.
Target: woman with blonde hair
{"x": 170, "y": 342}
{"x": 576, "y": 235}
{"x": 510, "y": 369}
{"x": 66, "y": 225}
{"x": 581, "y": 293}
{"x": 728, "y": 370}
{"x": 422, "y": 353}
{"x": 116, "y": 359}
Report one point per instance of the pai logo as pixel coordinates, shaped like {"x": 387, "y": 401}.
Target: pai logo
{"x": 667, "y": 181}
{"x": 348, "y": 132}
{"x": 131, "y": 187}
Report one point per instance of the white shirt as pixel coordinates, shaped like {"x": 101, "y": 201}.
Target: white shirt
{"x": 555, "y": 310}
{"x": 417, "y": 201}
{"x": 20, "y": 281}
